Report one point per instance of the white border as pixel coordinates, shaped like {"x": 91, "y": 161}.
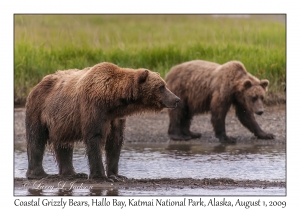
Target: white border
{"x": 154, "y": 6}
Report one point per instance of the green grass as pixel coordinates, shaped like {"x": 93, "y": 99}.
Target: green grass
{"x": 47, "y": 43}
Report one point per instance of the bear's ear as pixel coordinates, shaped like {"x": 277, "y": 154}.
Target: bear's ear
{"x": 264, "y": 83}
{"x": 247, "y": 84}
{"x": 142, "y": 76}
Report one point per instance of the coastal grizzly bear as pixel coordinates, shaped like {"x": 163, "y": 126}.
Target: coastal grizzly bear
{"x": 205, "y": 86}
{"x": 89, "y": 105}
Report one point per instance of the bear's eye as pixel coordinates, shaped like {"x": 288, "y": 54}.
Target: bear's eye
{"x": 254, "y": 98}
{"x": 161, "y": 88}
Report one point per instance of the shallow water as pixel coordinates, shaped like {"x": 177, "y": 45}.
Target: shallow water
{"x": 180, "y": 160}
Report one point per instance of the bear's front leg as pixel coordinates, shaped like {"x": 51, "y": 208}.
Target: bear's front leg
{"x": 113, "y": 147}
{"x": 248, "y": 120}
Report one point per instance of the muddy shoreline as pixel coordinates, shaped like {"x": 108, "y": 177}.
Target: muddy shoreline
{"x": 152, "y": 128}
{"x": 54, "y": 182}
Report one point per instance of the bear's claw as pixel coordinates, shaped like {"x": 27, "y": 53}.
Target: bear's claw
{"x": 266, "y": 136}
{"x": 80, "y": 175}
{"x": 195, "y": 135}
{"x": 117, "y": 178}
{"x": 36, "y": 175}
{"x": 227, "y": 140}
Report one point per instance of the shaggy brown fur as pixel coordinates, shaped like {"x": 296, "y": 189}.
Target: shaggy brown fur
{"x": 89, "y": 105}
{"x": 205, "y": 86}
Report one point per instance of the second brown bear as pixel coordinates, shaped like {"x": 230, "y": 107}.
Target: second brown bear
{"x": 206, "y": 86}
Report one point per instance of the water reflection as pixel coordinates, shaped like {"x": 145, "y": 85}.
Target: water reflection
{"x": 62, "y": 192}
{"x": 35, "y": 192}
{"x": 219, "y": 148}
{"x": 66, "y": 192}
{"x": 112, "y": 192}
{"x": 173, "y": 160}
{"x": 214, "y": 160}
{"x": 180, "y": 148}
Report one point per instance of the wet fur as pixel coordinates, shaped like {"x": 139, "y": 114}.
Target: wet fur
{"x": 88, "y": 105}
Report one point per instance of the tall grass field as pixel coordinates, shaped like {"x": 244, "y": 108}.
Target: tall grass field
{"x": 44, "y": 44}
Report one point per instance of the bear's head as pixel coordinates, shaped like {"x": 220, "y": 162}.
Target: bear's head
{"x": 254, "y": 95}
{"x": 152, "y": 90}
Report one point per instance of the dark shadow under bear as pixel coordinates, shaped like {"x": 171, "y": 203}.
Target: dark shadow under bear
{"x": 89, "y": 105}
{"x": 205, "y": 86}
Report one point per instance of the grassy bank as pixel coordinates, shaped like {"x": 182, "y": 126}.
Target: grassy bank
{"x": 46, "y": 43}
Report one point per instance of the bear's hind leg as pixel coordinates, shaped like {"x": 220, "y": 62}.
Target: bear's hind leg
{"x": 186, "y": 124}
{"x": 36, "y": 138}
{"x": 95, "y": 158}
{"x": 178, "y": 122}
{"x": 94, "y": 136}
{"x": 64, "y": 158}
{"x": 113, "y": 147}
{"x": 218, "y": 115}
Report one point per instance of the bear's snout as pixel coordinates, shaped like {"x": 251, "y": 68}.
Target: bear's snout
{"x": 176, "y": 101}
{"x": 169, "y": 99}
{"x": 171, "y": 103}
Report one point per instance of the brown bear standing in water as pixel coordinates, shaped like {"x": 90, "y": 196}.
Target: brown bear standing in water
{"x": 89, "y": 105}
{"x": 205, "y": 86}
